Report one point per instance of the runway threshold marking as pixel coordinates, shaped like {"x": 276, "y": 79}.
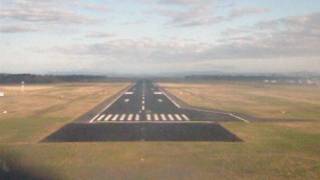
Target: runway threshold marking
{"x": 185, "y": 117}
{"x": 137, "y": 118}
{"x": 101, "y": 117}
{"x": 163, "y": 117}
{"x": 170, "y": 117}
{"x": 108, "y": 117}
{"x": 148, "y": 117}
{"x": 178, "y": 117}
{"x": 156, "y": 118}
{"x": 113, "y": 101}
{"x": 115, "y": 117}
{"x": 94, "y": 118}
{"x": 130, "y": 117}
{"x": 122, "y": 117}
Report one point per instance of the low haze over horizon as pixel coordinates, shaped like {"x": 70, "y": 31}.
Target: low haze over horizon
{"x": 161, "y": 36}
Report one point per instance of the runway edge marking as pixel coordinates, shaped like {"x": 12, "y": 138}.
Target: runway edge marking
{"x": 175, "y": 103}
{"x": 113, "y": 101}
{"x": 238, "y": 117}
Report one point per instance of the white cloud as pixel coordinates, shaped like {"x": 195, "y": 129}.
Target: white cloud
{"x": 99, "y": 35}
{"x": 45, "y": 11}
{"x": 16, "y": 29}
{"x": 245, "y": 11}
{"x": 295, "y": 38}
{"x": 199, "y": 13}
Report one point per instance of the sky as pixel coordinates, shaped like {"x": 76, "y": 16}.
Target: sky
{"x": 149, "y": 37}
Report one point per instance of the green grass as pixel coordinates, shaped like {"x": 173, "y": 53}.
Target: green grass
{"x": 269, "y": 152}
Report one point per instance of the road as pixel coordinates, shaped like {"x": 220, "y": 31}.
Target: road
{"x": 143, "y": 102}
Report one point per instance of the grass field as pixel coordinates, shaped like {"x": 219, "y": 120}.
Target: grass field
{"x": 41, "y": 109}
{"x": 269, "y": 151}
{"x": 258, "y": 99}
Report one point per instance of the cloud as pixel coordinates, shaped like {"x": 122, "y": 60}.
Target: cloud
{"x": 185, "y": 2}
{"x": 191, "y": 12}
{"x": 46, "y": 11}
{"x": 101, "y": 8}
{"x": 244, "y": 11}
{"x": 99, "y": 35}
{"x": 200, "y": 13}
{"x": 16, "y": 29}
{"x": 288, "y": 38}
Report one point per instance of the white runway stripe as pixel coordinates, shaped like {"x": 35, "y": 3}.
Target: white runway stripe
{"x": 101, "y": 117}
{"x": 148, "y": 117}
{"x": 185, "y": 117}
{"x": 115, "y": 117}
{"x": 178, "y": 117}
{"x": 156, "y": 118}
{"x": 170, "y": 117}
{"x": 108, "y": 117}
{"x": 94, "y": 118}
{"x": 163, "y": 117}
{"x": 137, "y": 118}
{"x": 130, "y": 117}
{"x": 122, "y": 117}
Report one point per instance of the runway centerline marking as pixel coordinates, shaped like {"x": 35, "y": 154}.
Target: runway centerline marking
{"x": 127, "y": 100}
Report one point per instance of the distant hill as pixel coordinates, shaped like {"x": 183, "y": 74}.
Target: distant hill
{"x": 260, "y": 78}
{"x": 31, "y": 78}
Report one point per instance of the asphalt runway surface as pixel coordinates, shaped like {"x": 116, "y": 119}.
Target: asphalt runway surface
{"x": 145, "y": 112}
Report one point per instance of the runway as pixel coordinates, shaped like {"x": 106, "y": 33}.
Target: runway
{"x": 145, "y": 112}
{"x": 143, "y": 102}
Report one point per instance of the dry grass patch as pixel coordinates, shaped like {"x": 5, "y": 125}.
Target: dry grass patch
{"x": 263, "y": 100}
{"x": 40, "y": 109}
